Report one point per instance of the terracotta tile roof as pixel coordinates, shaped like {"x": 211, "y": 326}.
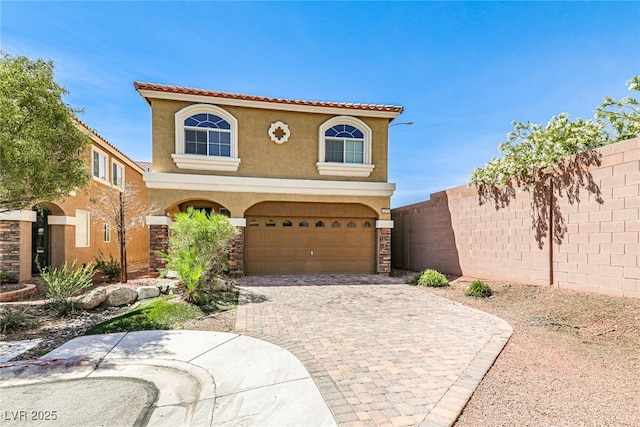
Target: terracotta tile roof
{"x": 191, "y": 91}
{"x": 146, "y": 166}
{"x": 96, "y": 134}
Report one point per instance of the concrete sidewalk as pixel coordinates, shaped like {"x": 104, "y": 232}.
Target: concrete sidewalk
{"x": 162, "y": 378}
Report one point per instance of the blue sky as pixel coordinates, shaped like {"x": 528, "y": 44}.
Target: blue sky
{"x": 462, "y": 70}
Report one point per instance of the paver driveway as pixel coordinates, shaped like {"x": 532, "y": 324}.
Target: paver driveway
{"x": 381, "y": 352}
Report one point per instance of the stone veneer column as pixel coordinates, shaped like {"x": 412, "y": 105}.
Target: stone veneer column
{"x": 158, "y": 242}
{"x": 384, "y": 246}
{"x": 236, "y": 253}
{"x": 15, "y": 244}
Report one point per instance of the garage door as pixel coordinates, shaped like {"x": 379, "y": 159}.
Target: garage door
{"x": 309, "y": 245}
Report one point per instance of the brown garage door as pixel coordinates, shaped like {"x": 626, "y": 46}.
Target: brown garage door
{"x": 309, "y": 245}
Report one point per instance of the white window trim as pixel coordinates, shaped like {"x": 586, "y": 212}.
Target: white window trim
{"x": 106, "y": 232}
{"x": 200, "y": 162}
{"x": 115, "y": 162}
{"x": 345, "y": 169}
{"x": 82, "y": 224}
{"x": 106, "y": 165}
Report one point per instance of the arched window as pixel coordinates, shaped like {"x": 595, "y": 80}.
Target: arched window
{"x": 344, "y": 147}
{"x": 303, "y": 223}
{"x": 208, "y": 135}
{"x": 320, "y": 224}
{"x": 335, "y": 224}
{"x": 206, "y": 139}
{"x": 287, "y": 223}
{"x": 351, "y": 224}
{"x": 270, "y": 223}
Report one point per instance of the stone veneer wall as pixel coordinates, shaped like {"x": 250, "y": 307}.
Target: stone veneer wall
{"x": 384, "y": 251}
{"x": 10, "y": 249}
{"x": 600, "y": 252}
{"x": 236, "y": 254}
{"x": 158, "y": 242}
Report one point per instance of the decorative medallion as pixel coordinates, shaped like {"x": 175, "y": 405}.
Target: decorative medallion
{"x": 279, "y": 132}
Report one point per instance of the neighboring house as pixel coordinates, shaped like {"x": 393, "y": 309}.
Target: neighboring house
{"x": 305, "y": 182}
{"x": 67, "y": 230}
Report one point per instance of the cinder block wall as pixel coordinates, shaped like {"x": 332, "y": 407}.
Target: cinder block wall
{"x": 600, "y": 252}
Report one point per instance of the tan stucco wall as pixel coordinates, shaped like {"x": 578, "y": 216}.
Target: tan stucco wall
{"x": 62, "y": 237}
{"x": 260, "y": 157}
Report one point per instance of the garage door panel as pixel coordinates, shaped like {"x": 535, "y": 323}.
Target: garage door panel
{"x": 300, "y": 250}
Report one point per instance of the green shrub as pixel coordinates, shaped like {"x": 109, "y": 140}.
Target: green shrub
{"x": 432, "y": 278}
{"x": 14, "y": 319}
{"x": 208, "y": 235}
{"x": 4, "y": 277}
{"x": 478, "y": 289}
{"x": 65, "y": 282}
{"x": 110, "y": 269}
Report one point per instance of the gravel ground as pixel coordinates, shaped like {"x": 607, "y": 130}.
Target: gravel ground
{"x": 573, "y": 359}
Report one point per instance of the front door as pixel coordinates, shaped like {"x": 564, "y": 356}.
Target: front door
{"x": 40, "y": 241}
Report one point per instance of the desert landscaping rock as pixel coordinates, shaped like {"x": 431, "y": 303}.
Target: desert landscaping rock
{"x": 121, "y": 296}
{"x": 146, "y": 292}
{"x": 92, "y": 299}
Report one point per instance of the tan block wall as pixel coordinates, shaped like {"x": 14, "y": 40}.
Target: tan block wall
{"x": 600, "y": 252}
{"x": 260, "y": 157}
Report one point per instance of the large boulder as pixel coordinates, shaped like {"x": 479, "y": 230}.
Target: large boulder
{"x": 121, "y": 296}
{"x": 92, "y": 299}
{"x": 146, "y": 292}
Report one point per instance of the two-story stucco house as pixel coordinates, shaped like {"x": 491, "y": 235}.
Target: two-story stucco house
{"x": 305, "y": 182}
{"x": 67, "y": 230}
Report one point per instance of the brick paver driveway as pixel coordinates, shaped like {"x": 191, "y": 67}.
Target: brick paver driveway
{"x": 381, "y": 352}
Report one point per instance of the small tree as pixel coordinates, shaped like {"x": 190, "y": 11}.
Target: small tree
{"x": 199, "y": 246}
{"x": 553, "y": 161}
{"x": 123, "y": 209}
{"x": 42, "y": 150}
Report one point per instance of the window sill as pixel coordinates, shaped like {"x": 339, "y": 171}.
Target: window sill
{"x": 193, "y": 161}
{"x": 344, "y": 169}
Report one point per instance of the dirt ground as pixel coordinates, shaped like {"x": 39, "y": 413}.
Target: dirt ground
{"x": 573, "y": 358}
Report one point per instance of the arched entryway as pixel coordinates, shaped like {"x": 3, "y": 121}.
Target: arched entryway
{"x": 310, "y": 238}
{"x": 40, "y": 238}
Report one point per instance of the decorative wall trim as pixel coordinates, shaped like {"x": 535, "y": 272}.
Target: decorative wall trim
{"x": 61, "y": 220}
{"x": 22, "y": 215}
{"x": 197, "y": 162}
{"x": 238, "y": 222}
{"x": 158, "y": 220}
{"x": 174, "y": 181}
{"x": 344, "y": 169}
{"x": 286, "y": 133}
{"x": 384, "y": 223}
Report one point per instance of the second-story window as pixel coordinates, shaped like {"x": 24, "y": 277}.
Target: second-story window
{"x": 117, "y": 175}
{"x": 99, "y": 161}
{"x": 206, "y": 139}
{"x": 208, "y": 135}
{"x": 344, "y": 147}
{"x": 344, "y": 144}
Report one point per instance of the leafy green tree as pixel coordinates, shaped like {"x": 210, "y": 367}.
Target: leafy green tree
{"x": 624, "y": 115}
{"x": 41, "y": 147}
